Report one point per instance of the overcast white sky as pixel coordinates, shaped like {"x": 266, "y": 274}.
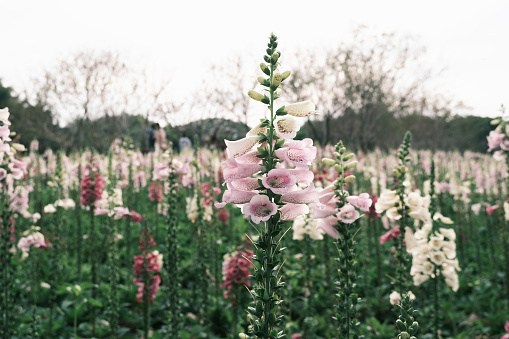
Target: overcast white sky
{"x": 470, "y": 39}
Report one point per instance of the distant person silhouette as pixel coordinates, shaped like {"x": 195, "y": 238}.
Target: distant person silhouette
{"x": 150, "y": 138}
{"x": 160, "y": 143}
{"x": 185, "y": 143}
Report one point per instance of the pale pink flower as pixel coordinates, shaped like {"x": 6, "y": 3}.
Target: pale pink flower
{"x": 279, "y": 180}
{"x": 260, "y": 208}
{"x": 498, "y": 155}
{"x": 362, "y": 202}
{"x": 245, "y": 184}
{"x": 292, "y": 211}
{"x": 101, "y": 211}
{"x": 506, "y": 326}
{"x": 4, "y": 116}
{"x": 5, "y": 132}
{"x": 240, "y": 147}
{"x": 505, "y": 336}
{"x": 235, "y": 196}
{"x": 327, "y": 224}
{"x": 3, "y": 173}
{"x": 305, "y": 196}
{"x": 348, "y": 214}
{"x": 303, "y": 175}
{"x": 298, "y": 152}
{"x": 494, "y": 140}
{"x": 232, "y": 170}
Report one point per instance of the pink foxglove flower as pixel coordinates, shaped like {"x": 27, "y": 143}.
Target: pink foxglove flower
{"x": 279, "y": 180}
{"x": 240, "y": 147}
{"x": 232, "y": 169}
{"x": 235, "y": 196}
{"x": 494, "y": 140}
{"x": 348, "y": 214}
{"x": 259, "y": 208}
{"x": 491, "y": 209}
{"x": 394, "y": 233}
{"x": 298, "y": 152}
{"x": 292, "y": 211}
{"x": 362, "y": 202}
{"x": 327, "y": 225}
{"x": 305, "y": 196}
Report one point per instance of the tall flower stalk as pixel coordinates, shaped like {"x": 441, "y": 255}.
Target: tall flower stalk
{"x": 338, "y": 218}
{"x": 171, "y": 265}
{"x": 274, "y": 196}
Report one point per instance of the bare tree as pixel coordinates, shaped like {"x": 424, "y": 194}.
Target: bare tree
{"x": 93, "y": 85}
{"x": 366, "y": 82}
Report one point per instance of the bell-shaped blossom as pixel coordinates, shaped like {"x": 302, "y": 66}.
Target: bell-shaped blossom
{"x": 305, "y": 196}
{"x": 327, "y": 225}
{"x": 235, "y": 196}
{"x": 259, "y": 208}
{"x": 303, "y": 175}
{"x": 4, "y": 116}
{"x": 287, "y": 127}
{"x": 240, "y": 147}
{"x": 348, "y": 214}
{"x": 292, "y": 211}
{"x": 300, "y": 109}
{"x": 362, "y": 202}
{"x": 298, "y": 152}
{"x": 279, "y": 180}
{"x": 494, "y": 140}
{"x": 245, "y": 184}
{"x": 232, "y": 170}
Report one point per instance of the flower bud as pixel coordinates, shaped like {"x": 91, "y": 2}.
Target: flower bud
{"x": 337, "y": 155}
{"x": 261, "y": 80}
{"x": 328, "y": 161}
{"x": 495, "y": 122}
{"x": 255, "y": 95}
{"x": 18, "y": 147}
{"x": 401, "y": 325}
{"x": 275, "y": 57}
{"x": 351, "y": 165}
{"x": 404, "y": 335}
{"x": 342, "y": 150}
{"x": 348, "y": 157}
{"x": 243, "y": 336}
{"x": 286, "y": 74}
{"x": 276, "y": 79}
{"x": 350, "y": 178}
{"x": 396, "y": 172}
{"x": 338, "y": 168}
{"x": 264, "y": 68}
{"x": 403, "y": 169}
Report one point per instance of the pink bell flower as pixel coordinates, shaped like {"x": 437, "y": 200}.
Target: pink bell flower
{"x": 259, "y": 208}
{"x": 327, "y": 225}
{"x": 292, "y": 211}
{"x": 298, "y": 152}
{"x": 494, "y": 140}
{"x": 279, "y": 180}
{"x": 235, "y": 196}
{"x": 362, "y": 202}
{"x": 348, "y": 214}
{"x": 240, "y": 147}
{"x": 234, "y": 170}
{"x": 305, "y": 196}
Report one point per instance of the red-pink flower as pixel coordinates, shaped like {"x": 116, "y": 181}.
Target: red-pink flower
{"x": 394, "y": 233}
{"x": 506, "y": 326}
{"x": 362, "y": 202}
{"x": 155, "y": 191}
{"x": 135, "y": 217}
{"x": 223, "y": 216}
{"x": 259, "y": 208}
{"x": 491, "y": 209}
{"x": 236, "y": 271}
{"x": 279, "y": 180}
{"x": 91, "y": 190}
